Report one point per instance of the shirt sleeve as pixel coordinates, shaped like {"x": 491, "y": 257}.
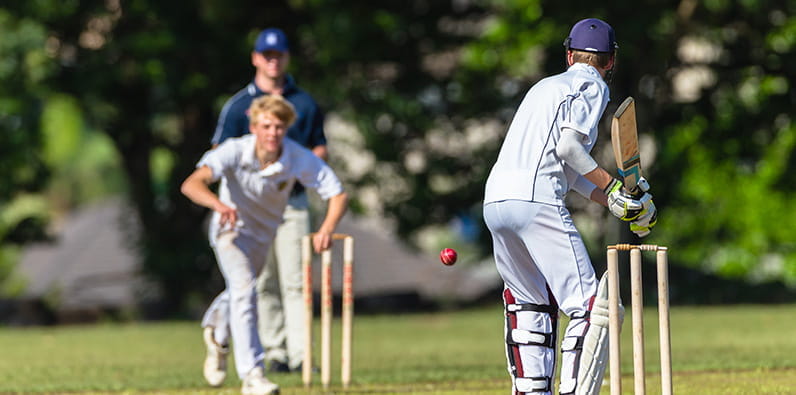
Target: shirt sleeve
{"x": 219, "y": 160}
{"x": 314, "y": 173}
{"x": 571, "y": 151}
{"x": 583, "y": 109}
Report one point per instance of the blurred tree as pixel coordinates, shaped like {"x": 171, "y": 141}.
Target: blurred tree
{"x": 712, "y": 80}
{"x": 151, "y": 76}
{"x": 24, "y": 69}
{"x": 419, "y": 94}
{"x": 727, "y": 132}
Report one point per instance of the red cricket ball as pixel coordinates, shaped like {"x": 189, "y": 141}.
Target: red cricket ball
{"x": 448, "y": 256}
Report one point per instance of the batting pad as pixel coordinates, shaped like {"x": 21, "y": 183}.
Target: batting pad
{"x": 595, "y": 343}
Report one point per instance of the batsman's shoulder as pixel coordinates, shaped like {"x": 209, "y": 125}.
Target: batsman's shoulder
{"x": 590, "y": 88}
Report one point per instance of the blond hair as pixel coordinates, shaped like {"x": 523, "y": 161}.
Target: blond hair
{"x": 596, "y": 59}
{"x": 275, "y": 105}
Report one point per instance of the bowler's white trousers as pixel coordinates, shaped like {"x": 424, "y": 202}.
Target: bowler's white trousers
{"x": 234, "y": 311}
{"x": 280, "y": 301}
{"x": 542, "y": 260}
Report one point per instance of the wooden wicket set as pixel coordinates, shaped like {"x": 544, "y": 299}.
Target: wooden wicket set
{"x": 327, "y": 310}
{"x": 614, "y": 325}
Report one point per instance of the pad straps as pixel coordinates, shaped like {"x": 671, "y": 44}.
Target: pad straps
{"x": 533, "y": 384}
{"x": 539, "y": 308}
{"x": 572, "y": 343}
{"x": 530, "y": 338}
{"x": 526, "y": 337}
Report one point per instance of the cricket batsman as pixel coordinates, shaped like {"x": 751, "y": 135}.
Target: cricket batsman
{"x": 538, "y": 251}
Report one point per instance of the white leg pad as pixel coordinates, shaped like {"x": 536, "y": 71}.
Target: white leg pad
{"x": 532, "y": 384}
{"x": 595, "y": 343}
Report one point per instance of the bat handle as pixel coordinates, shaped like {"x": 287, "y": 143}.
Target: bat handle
{"x": 642, "y": 185}
{"x": 637, "y": 191}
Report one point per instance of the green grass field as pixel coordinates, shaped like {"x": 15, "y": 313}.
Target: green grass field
{"x": 716, "y": 350}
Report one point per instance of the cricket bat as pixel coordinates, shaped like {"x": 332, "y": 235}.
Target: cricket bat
{"x": 624, "y": 139}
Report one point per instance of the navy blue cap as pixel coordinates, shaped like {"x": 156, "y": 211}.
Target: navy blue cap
{"x": 271, "y": 39}
{"x": 592, "y": 35}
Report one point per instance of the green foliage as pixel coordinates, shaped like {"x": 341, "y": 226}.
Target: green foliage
{"x": 423, "y": 90}
{"x": 23, "y": 69}
{"x": 137, "y": 78}
{"x": 84, "y": 164}
{"x": 162, "y": 163}
{"x": 20, "y": 219}
{"x": 92, "y": 172}
{"x": 62, "y": 129}
{"x": 729, "y": 154}
{"x": 12, "y": 285}
{"x": 504, "y": 49}
{"x": 748, "y": 219}
{"x": 18, "y": 210}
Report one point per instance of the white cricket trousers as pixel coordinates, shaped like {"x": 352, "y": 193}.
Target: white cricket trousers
{"x": 542, "y": 260}
{"x": 234, "y": 311}
{"x": 280, "y": 302}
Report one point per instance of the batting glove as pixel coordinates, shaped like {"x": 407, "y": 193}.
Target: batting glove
{"x": 621, "y": 204}
{"x": 646, "y": 221}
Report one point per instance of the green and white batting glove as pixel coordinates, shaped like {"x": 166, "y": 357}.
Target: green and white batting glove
{"x": 621, "y": 204}
{"x": 646, "y": 221}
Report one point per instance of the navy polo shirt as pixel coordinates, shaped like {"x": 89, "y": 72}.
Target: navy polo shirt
{"x": 307, "y": 130}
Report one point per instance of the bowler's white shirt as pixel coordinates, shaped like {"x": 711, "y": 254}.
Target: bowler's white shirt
{"x": 527, "y": 167}
{"x": 260, "y": 196}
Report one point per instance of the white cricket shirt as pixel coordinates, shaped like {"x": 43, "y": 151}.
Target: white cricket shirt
{"x": 527, "y": 167}
{"x": 260, "y": 196}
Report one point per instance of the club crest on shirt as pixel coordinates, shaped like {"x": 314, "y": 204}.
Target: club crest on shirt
{"x": 281, "y": 185}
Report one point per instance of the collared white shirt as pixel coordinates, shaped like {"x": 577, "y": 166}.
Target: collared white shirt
{"x": 260, "y": 195}
{"x": 527, "y": 167}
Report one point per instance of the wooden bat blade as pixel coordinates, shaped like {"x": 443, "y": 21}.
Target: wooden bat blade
{"x": 624, "y": 139}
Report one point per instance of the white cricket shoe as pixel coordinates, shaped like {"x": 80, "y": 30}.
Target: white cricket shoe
{"x": 215, "y": 369}
{"x": 255, "y": 383}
